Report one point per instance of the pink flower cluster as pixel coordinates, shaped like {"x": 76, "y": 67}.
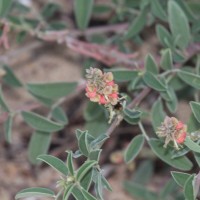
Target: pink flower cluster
{"x": 173, "y": 130}
{"x": 101, "y": 87}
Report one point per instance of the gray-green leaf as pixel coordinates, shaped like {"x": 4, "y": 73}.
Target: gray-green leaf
{"x": 83, "y": 11}
{"x": 39, "y": 144}
{"x": 55, "y": 163}
{"x": 190, "y": 78}
{"x": 41, "y": 123}
{"x": 182, "y": 163}
{"x": 152, "y": 81}
{"x": 35, "y": 192}
{"x": 134, "y": 148}
{"x": 189, "y": 189}
{"x": 179, "y": 24}
{"x": 195, "y": 106}
{"x": 180, "y": 177}
{"x": 51, "y": 90}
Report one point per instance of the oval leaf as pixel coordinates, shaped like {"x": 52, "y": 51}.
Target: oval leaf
{"x": 137, "y": 25}
{"x": 41, "y": 123}
{"x": 83, "y": 11}
{"x": 55, "y": 163}
{"x": 190, "y": 78}
{"x": 3, "y": 103}
{"x": 150, "y": 64}
{"x": 182, "y": 163}
{"x": 8, "y": 128}
{"x": 51, "y": 90}
{"x": 192, "y": 145}
{"x": 10, "y": 77}
{"x": 164, "y": 36}
{"x": 35, "y": 192}
{"x": 134, "y": 148}
{"x": 179, "y": 24}
{"x": 180, "y": 177}
{"x": 70, "y": 165}
{"x": 157, "y": 114}
{"x": 68, "y": 191}
{"x": 166, "y": 59}
{"x": 195, "y": 106}
{"x": 189, "y": 189}
{"x": 87, "y": 195}
{"x": 39, "y": 144}
{"x": 4, "y": 7}
{"x": 152, "y": 81}
{"x": 84, "y": 169}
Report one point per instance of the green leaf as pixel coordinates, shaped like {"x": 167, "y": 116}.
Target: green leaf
{"x": 87, "y": 195}
{"x": 106, "y": 184}
{"x": 179, "y": 24}
{"x": 134, "y": 148}
{"x": 152, "y": 81}
{"x": 55, "y": 163}
{"x": 132, "y": 121}
{"x": 188, "y": 188}
{"x": 192, "y": 145}
{"x": 180, "y": 177}
{"x": 3, "y": 103}
{"x": 87, "y": 180}
{"x": 8, "y": 128}
{"x": 77, "y": 193}
{"x": 195, "y": 106}
{"x": 35, "y": 192}
{"x": 39, "y": 144}
{"x": 138, "y": 191}
{"x": 166, "y": 59}
{"x": 150, "y": 64}
{"x": 59, "y": 115}
{"x": 70, "y": 164}
{"x": 190, "y": 78}
{"x": 164, "y": 36}
{"x": 168, "y": 189}
{"x": 95, "y": 155}
{"x": 92, "y": 111}
{"x": 45, "y": 101}
{"x": 157, "y": 114}
{"x": 68, "y": 191}
{"x": 121, "y": 74}
{"x": 82, "y": 171}
{"x": 4, "y": 7}
{"x": 83, "y": 143}
{"x": 182, "y": 163}
{"x": 197, "y": 158}
{"x": 99, "y": 187}
{"x": 41, "y": 123}
{"x": 10, "y": 78}
{"x": 83, "y": 11}
{"x": 51, "y": 90}
{"x": 158, "y": 10}
{"x": 137, "y": 25}
{"x": 146, "y": 167}
{"x": 173, "y": 103}
{"x": 49, "y": 10}
{"x": 193, "y": 124}
{"x": 133, "y": 114}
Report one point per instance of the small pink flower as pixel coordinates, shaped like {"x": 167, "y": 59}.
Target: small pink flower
{"x": 102, "y": 100}
{"x": 91, "y": 94}
{"x": 181, "y": 138}
{"x": 111, "y": 83}
{"x": 180, "y": 125}
{"x": 114, "y": 95}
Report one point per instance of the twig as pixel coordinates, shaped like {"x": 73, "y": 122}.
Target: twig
{"x": 134, "y": 103}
